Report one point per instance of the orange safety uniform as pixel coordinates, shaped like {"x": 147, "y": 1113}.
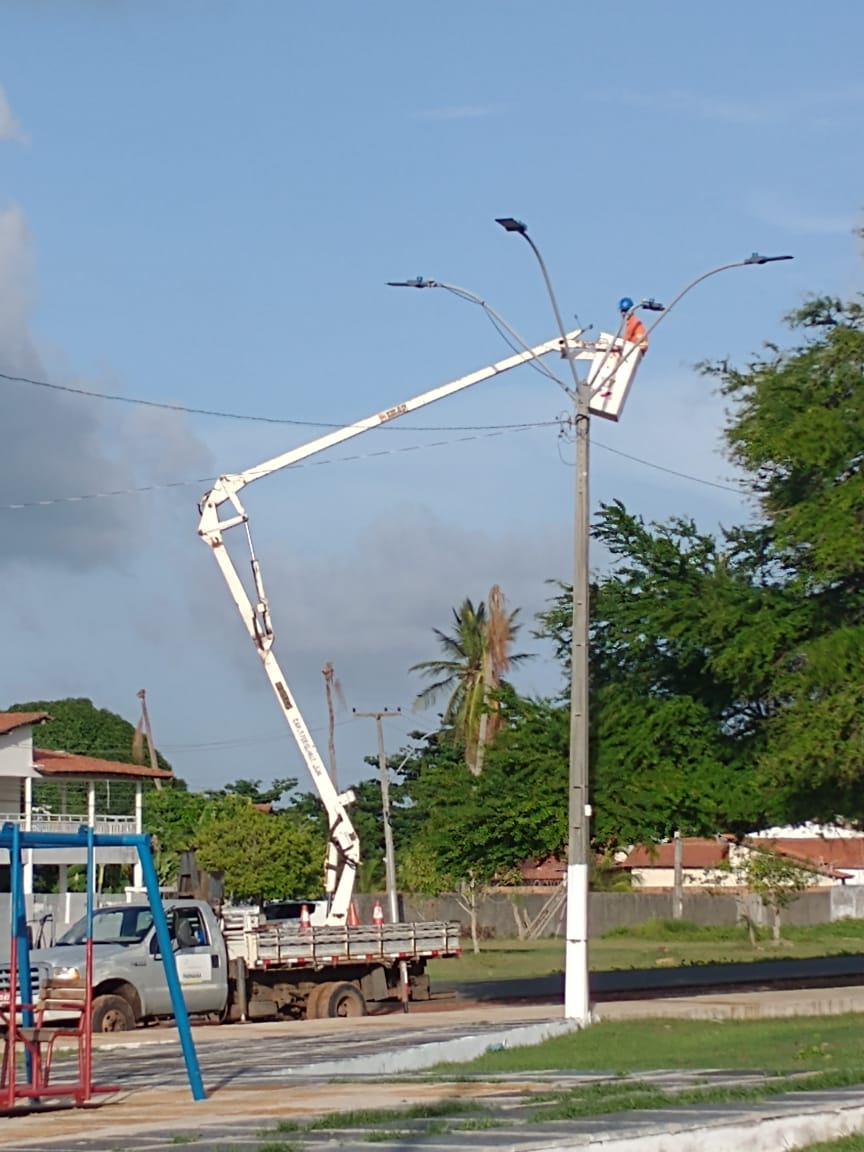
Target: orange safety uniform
{"x": 634, "y": 332}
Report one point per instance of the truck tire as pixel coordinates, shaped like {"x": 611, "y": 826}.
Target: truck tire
{"x": 112, "y": 1014}
{"x": 316, "y": 1000}
{"x": 343, "y": 1000}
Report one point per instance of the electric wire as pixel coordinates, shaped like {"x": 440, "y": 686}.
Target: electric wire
{"x": 356, "y": 457}
{"x": 227, "y": 744}
{"x": 210, "y": 480}
{"x": 739, "y": 491}
{"x": 138, "y": 401}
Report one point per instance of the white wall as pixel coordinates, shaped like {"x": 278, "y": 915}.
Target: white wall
{"x": 10, "y": 796}
{"x": 16, "y": 753}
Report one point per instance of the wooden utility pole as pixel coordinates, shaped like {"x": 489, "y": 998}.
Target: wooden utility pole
{"x": 331, "y": 685}
{"x": 144, "y": 725}
{"x": 389, "y": 857}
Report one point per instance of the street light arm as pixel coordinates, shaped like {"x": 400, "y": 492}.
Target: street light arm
{"x": 496, "y": 318}
{"x": 523, "y": 232}
{"x": 754, "y": 259}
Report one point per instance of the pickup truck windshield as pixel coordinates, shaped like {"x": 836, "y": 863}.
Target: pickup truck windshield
{"x": 122, "y": 925}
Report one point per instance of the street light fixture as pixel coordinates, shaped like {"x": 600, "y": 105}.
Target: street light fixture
{"x": 576, "y": 992}
{"x": 497, "y": 319}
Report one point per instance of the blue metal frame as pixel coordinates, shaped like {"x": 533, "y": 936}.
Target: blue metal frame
{"x": 18, "y": 929}
{"x": 13, "y": 839}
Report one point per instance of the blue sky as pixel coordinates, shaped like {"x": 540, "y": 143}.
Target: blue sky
{"x": 200, "y": 204}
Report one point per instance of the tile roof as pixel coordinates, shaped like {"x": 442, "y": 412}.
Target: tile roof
{"x": 695, "y": 853}
{"x": 548, "y": 871}
{"x": 827, "y": 854}
{"x": 9, "y": 721}
{"x": 51, "y": 763}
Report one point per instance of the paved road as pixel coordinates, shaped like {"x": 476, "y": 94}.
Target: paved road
{"x": 822, "y": 972}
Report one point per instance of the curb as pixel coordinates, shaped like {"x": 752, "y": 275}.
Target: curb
{"x": 437, "y": 1051}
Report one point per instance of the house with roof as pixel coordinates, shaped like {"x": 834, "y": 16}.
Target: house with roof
{"x": 716, "y": 863}
{"x": 838, "y": 846}
{"x": 23, "y": 768}
{"x": 704, "y": 863}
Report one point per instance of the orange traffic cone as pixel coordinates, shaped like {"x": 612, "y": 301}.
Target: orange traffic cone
{"x": 352, "y": 916}
{"x": 305, "y": 922}
{"x": 378, "y": 914}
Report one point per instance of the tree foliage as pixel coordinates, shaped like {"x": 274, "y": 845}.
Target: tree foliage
{"x": 476, "y": 657}
{"x": 798, "y": 430}
{"x": 776, "y": 879}
{"x": 78, "y": 726}
{"x": 261, "y": 855}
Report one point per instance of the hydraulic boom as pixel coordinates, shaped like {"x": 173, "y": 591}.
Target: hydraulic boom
{"x": 221, "y": 509}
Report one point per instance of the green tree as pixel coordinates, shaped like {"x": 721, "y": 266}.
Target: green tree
{"x": 797, "y": 427}
{"x": 519, "y": 810}
{"x": 776, "y": 879}
{"x": 173, "y": 816}
{"x": 263, "y": 856}
{"x": 78, "y": 726}
{"x": 476, "y": 658}
{"x": 675, "y": 719}
{"x": 258, "y": 793}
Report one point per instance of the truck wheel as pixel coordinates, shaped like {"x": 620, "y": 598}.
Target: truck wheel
{"x": 316, "y": 1000}
{"x": 112, "y": 1014}
{"x": 343, "y": 1000}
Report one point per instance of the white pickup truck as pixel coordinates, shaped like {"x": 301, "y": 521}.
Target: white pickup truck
{"x": 240, "y": 966}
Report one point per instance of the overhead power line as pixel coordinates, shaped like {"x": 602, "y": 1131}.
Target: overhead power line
{"x": 205, "y": 480}
{"x": 742, "y": 490}
{"x": 209, "y": 480}
{"x": 116, "y": 397}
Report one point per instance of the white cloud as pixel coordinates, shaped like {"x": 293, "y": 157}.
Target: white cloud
{"x": 58, "y": 447}
{"x": 9, "y": 129}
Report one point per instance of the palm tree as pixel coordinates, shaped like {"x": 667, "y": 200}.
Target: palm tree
{"x": 476, "y": 658}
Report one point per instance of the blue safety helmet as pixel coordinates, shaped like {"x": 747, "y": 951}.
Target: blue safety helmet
{"x": 625, "y": 304}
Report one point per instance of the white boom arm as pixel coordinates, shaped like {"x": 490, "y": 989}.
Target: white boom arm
{"x": 343, "y": 849}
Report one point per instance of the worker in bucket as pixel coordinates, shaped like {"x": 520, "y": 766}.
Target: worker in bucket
{"x": 634, "y": 329}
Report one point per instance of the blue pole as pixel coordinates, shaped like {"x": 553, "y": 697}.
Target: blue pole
{"x": 22, "y": 947}
{"x": 178, "y": 1004}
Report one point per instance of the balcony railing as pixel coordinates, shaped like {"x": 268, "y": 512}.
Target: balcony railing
{"x": 69, "y": 822}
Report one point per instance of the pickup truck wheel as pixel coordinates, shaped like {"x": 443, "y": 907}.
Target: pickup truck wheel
{"x": 112, "y": 1014}
{"x": 343, "y": 1000}
{"x": 316, "y": 1001}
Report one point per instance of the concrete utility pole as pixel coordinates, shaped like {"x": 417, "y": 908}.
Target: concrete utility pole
{"x": 389, "y": 857}
{"x": 678, "y": 878}
{"x": 576, "y": 994}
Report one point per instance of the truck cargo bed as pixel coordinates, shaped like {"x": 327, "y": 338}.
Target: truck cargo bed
{"x": 286, "y": 944}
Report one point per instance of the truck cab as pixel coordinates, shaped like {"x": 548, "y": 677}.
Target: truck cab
{"x": 129, "y": 983}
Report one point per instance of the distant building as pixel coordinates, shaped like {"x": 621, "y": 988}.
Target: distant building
{"x": 716, "y": 863}
{"x": 22, "y": 766}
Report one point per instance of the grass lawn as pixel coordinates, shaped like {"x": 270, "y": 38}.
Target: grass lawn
{"x": 824, "y": 1052}
{"x": 846, "y": 1144}
{"x": 799, "y": 1044}
{"x": 655, "y": 943}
